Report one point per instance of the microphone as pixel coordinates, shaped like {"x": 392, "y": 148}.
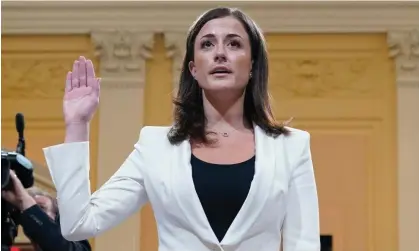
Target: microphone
{"x": 20, "y": 127}
{"x": 17, "y": 161}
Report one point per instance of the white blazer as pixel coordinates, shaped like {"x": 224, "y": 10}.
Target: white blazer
{"x": 282, "y": 197}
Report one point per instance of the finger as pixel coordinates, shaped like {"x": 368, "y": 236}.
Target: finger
{"x": 82, "y": 72}
{"x": 4, "y": 194}
{"x": 75, "y": 75}
{"x": 8, "y": 196}
{"x": 13, "y": 174}
{"x": 68, "y": 82}
{"x": 17, "y": 185}
{"x": 90, "y": 73}
{"x": 90, "y": 69}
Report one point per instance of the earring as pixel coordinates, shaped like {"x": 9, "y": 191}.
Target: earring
{"x": 250, "y": 75}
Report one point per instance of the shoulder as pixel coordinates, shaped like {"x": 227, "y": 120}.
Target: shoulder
{"x": 154, "y": 131}
{"x": 154, "y": 135}
{"x": 296, "y": 136}
{"x": 296, "y": 142}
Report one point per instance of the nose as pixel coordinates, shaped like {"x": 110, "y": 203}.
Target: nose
{"x": 220, "y": 54}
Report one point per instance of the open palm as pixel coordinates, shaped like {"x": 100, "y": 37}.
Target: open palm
{"x": 82, "y": 92}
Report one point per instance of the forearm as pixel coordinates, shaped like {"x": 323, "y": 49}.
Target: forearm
{"x": 46, "y": 233}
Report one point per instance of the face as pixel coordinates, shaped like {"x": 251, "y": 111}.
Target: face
{"x": 222, "y": 56}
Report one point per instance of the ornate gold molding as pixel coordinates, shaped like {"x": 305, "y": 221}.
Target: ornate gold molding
{"x": 404, "y": 48}
{"x": 123, "y": 55}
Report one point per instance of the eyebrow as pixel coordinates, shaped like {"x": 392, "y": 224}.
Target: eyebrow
{"x": 230, "y": 35}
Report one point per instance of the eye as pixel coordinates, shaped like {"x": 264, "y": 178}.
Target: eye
{"x": 206, "y": 44}
{"x": 235, "y": 44}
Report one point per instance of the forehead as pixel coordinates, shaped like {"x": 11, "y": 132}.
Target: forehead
{"x": 222, "y": 27}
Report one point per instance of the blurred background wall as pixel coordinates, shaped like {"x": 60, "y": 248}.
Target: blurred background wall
{"x": 347, "y": 72}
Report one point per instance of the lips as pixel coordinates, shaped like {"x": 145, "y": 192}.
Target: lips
{"x": 221, "y": 70}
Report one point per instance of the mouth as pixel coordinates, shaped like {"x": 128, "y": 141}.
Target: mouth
{"x": 220, "y": 71}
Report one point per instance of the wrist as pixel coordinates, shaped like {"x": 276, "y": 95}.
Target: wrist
{"x": 26, "y": 203}
{"x": 77, "y": 132}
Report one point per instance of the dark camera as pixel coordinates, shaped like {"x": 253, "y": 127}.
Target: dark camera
{"x": 23, "y": 168}
{"x": 20, "y": 165}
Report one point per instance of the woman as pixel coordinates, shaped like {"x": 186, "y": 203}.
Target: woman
{"x": 225, "y": 176}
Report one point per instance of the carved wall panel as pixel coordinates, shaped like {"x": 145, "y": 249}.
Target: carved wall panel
{"x": 335, "y": 70}
{"x": 342, "y": 89}
{"x": 25, "y": 78}
{"x": 322, "y": 78}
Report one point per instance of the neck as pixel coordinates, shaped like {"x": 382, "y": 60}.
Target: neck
{"x": 224, "y": 113}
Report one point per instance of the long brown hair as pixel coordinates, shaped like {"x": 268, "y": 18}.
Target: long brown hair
{"x": 190, "y": 120}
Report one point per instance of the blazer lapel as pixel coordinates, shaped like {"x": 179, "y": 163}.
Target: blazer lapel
{"x": 259, "y": 189}
{"x": 187, "y": 200}
{"x": 185, "y": 194}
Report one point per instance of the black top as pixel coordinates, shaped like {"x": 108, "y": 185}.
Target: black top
{"x": 222, "y": 190}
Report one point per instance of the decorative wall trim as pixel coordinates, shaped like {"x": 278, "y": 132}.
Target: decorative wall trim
{"x": 123, "y": 30}
{"x": 404, "y": 48}
{"x": 123, "y": 54}
{"x": 81, "y": 17}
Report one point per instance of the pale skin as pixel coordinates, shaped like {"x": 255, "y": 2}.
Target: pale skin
{"x": 221, "y": 42}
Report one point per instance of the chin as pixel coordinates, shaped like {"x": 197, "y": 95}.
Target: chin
{"x": 221, "y": 85}
{"x": 222, "y": 89}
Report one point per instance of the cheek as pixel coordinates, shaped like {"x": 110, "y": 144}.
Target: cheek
{"x": 243, "y": 66}
{"x": 201, "y": 63}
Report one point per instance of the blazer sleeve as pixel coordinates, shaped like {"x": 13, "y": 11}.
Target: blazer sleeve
{"x": 46, "y": 233}
{"x": 85, "y": 215}
{"x": 301, "y": 231}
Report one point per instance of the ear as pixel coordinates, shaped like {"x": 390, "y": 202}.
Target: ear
{"x": 192, "y": 68}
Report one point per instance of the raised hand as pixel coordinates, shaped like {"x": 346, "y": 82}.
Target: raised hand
{"x": 82, "y": 91}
